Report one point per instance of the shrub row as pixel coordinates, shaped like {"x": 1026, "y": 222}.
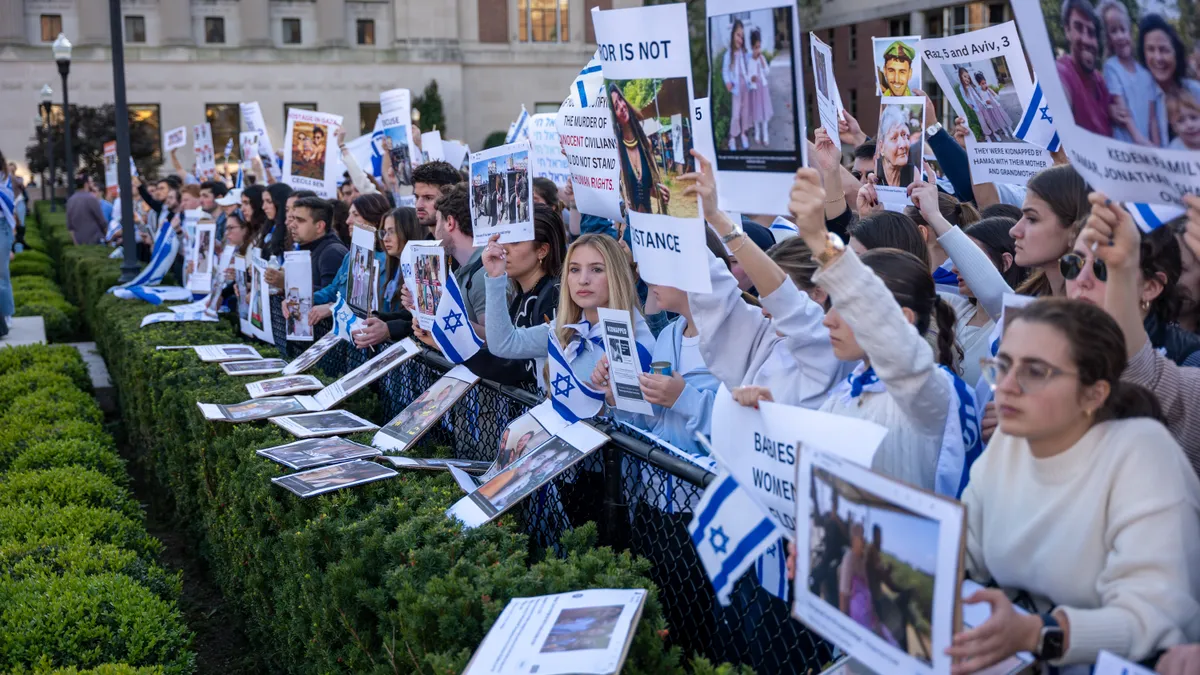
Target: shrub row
{"x": 79, "y": 587}
{"x": 35, "y": 292}
{"x": 374, "y": 579}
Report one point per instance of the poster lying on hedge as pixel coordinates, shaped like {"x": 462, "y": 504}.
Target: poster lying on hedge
{"x": 260, "y": 302}
{"x": 418, "y": 417}
{"x": 423, "y": 264}
{"x": 581, "y": 632}
{"x": 502, "y": 194}
{"x": 317, "y": 452}
{"x": 248, "y": 411}
{"x": 262, "y": 367}
{"x": 648, "y": 80}
{"x": 177, "y": 317}
{"x": 309, "y": 152}
{"x": 1124, "y": 135}
{"x": 297, "y": 302}
{"x": 324, "y": 423}
{"x": 282, "y": 386}
{"x": 203, "y": 250}
{"x": 524, "y": 434}
{"x": 756, "y": 94}
{"x": 218, "y": 353}
{"x": 871, "y": 517}
{"x": 436, "y": 464}
{"x": 309, "y": 357}
{"x": 329, "y": 478}
{"x": 986, "y": 71}
{"x": 522, "y": 477}
{"x": 363, "y": 375}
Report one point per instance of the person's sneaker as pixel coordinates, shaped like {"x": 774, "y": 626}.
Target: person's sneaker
{"x": 4, "y": 326}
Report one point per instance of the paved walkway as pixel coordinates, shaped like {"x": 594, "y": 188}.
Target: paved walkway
{"x": 25, "y": 330}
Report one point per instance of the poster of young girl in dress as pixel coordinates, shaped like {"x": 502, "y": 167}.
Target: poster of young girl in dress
{"x": 297, "y": 274}
{"x": 362, "y": 255}
{"x": 986, "y": 80}
{"x": 755, "y": 91}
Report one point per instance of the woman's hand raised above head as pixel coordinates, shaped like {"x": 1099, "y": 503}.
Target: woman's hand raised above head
{"x": 493, "y": 257}
{"x": 806, "y": 203}
{"x": 1113, "y": 236}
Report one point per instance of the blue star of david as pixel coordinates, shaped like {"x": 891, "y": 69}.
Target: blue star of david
{"x": 453, "y": 321}
{"x": 716, "y": 534}
{"x": 1045, "y": 110}
{"x": 563, "y": 385}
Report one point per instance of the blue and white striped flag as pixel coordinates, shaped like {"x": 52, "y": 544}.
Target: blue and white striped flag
{"x": 587, "y": 87}
{"x": 771, "y": 570}
{"x": 783, "y": 229}
{"x": 8, "y": 202}
{"x": 155, "y": 295}
{"x": 228, "y": 146}
{"x": 519, "y": 130}
{"x": 1037, "y": 124}
{"x": 162, "y": 255}
{"x": 1153, "y": 216}
{"x": 343, "y": 317}
{"x": 452, "y": 330}
{"x": 571, "y": 399}
{"x": 730, "y": 532}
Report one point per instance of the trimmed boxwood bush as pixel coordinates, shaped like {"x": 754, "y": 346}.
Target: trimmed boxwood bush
{"x": 63, "y": 358}
{"x": 21, "y": 560}
{"x": 17, "y": 384}
{"x": 33, "y": 256}
{"x": 58, "y": 325}
{"x": 34, "y": 284}
{"x": 87, "y": 453}
{"x": 65, "y": 486}
{"x": 106, "y": 669}
{"x": 33, "y": 268}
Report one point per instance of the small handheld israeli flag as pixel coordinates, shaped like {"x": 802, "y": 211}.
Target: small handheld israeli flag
{"x": 1037, "y": 124}
{"x": 588, "y": 86}
{"x": 1150, "y": 217}
{"x": 228, "y": 146}
{"x": 571, "y": 399}
{"x": 162, "y": 255}
{"x": 452, "y": 330}
{"x": 519, "y": 131}
{"x": 343, "y": 317}
{"x": 730, "y": 532}
{"x": 783, "y": 229}
{"x": 771, "y": 569}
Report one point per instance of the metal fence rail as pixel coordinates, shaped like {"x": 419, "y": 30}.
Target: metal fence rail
{"x": 638, "y": 494}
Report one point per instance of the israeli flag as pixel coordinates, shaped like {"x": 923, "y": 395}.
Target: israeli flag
{"x": 730, "y": 532}
{"x": 452, "y": 330}
{"x": 238, "y": 185}
{"x": 783, "y": 229}
{"x": 588, "y": 86}
{"x": 343, "y": 317}
{"x": 162, "y": 255}
{"x": 1037, "y": 124}
{"x": 1150, "y": 217}
{"x": 771, "y": 569}
{"x": 228, "y": 146}
{"x": 8, "y": 202}
{"x": 155, "y": 295}
{"x": 571, "y": 399}
{"x": 519, "y": 131}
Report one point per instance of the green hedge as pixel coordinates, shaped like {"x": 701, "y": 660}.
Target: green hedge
{"x": 36, "y": 294}
{"x": 375, "y": 579}
{"x": 79, "y": 587}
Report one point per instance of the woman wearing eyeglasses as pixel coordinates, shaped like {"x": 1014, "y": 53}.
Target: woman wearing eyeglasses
{"x": 1082, "y": 501}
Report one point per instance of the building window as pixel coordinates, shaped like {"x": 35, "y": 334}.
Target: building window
{"x": 366, "y": 31}
{"x": 226, "y": 122}
{"x": 51, "y": 27}
{"x": 291, "y": 32}
{"x": 135, "y": 29}
{"x": 550, "y": 107}
{"x": 214, "y": 30}
{"x": 298, "y": 106}
{"x": 959, "y": 20}
{"x": 368, "y": 112}
{"x": 854, "y": 102}
{"x": 543, "y": 21}
{"x": 147, "y": 114}
{"x": 997, "y": 13}
{"x": 899, "y": 27}
{"x": 853, "y": 46}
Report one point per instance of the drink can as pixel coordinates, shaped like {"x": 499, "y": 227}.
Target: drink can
{"x": 661, "y": 368}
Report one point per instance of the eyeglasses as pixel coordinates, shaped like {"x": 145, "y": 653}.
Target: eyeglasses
{"x": 1071, "y": 265}
{"x": 385, "y": 234}
{"x": 1031, "y": 375}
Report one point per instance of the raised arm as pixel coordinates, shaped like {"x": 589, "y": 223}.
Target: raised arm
{"x": 503, "y": 338}
{"x": 357, "y": 176}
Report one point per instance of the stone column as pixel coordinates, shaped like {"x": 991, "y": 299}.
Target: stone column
{"x": 94, "y": 27}
{"x": 256, "y": 23}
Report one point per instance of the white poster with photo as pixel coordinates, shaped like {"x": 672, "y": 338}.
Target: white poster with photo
{"x": 241, "y": 287}
{"x": 457, "y": 154}
{"x": 591, "y": 152}
{"x": 203, "y": 249}
{"x": 1120, "y": 131}
{"x": 548, "y": 158}
{"x": 248, "y": 144}
{"x": 260, "y": 301}
{"x": 623, "y": 367}
{"x": 756, "y": 93}
{"x": 898, "y": 149}
{"x": 986, "y": 80}
{"x": 502, "y": 194}
{"x": 310, "y": 153}
{"x": 432, "y": 146}
{"x": 252, "y": 120}
{"x": 396, "y": 141}
{"x": 110, "y": 170}
{"x": 897, "y": 62}
{"x": 202, "y": 146}
{"x": 176, "y": 138}
{"x": 829, "y": 99}
{"x": 647, "y": 69}
{"x": 298, "y": 296}
{"x": 358, "y": 284}
{"x": 852, "y": 525}
{"x": 423, "y": 265}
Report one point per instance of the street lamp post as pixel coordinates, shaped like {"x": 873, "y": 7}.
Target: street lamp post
{"x": 47, "y": 95}
{"x": 129, "y": 265}
{"x": 62, "y": 54}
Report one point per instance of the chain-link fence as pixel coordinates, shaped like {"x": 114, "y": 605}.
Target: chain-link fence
{"x": 638, "y": 493}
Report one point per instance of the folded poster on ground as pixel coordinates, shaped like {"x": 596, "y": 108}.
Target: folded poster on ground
{"x": 218, "y": 353}
{"x": 524, "y": 476}
{"x": 261, "y": 367}
{"x": 329, "y": 478}
{"x": 854, "y": 525}
{"x": 324, "y": 423}
{"x": 470, "y": 466}
{"x": 502, "y": 194}
{"x": 313, "y": 452}
{"x": 524, "y": 434}
{"x": 282, "y": 386}
{"x": 257, "y": 409}
{"x": 418, "y": 417}
{"x": 585, "y": 632}
{"x": 309, "y": 357}
{"x": 176, "y": 317}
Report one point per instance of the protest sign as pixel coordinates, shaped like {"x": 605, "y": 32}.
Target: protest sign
{"x": 309, "y": 357}
{"x": 329, "y": 478}
{"x": 756, "y": 95}
{"x": 309, "y": 162}
{"x": 248, "y": 411}
{"x": 524, "y": 434}
{"x": 423, "y": 264}
{"x": 203, "y": 247}
{"x": 829, "y": 99}
{"x": 372, "y": 370}
{"x": 502, "y": 194}
{"x": 849, "y": 511}
{"x": 358, "y": 283}
{"x": 248, "y": 144}
{"x": 405, "y": 429}
{"x": 623, "y": 365}
{"x": 548, "y": 158}
{"x": 591, "y": 152}
{"x": 432, "y": 146}
{"x": 260, "y": 302}
{"x": 396, "y": 143}
{"x": 457, "y": 154}
{"x": 110, "y": 170}
{"x": 202, "y": 146}
{"x": 252, "y": 121}
{"x": 1125, "y": 136}
{"x": 986, "y": 80}
{"x": 317, "y": 452}
{"x": 176, "y": 138}
{"x": 297, "y": 302}
{"x": 897, "y": 62}
{"x": 323, "y": 423}
{"x": 241, "y": 287}
{"x": 367, "y": 152}
{"x": 648, "y": 78}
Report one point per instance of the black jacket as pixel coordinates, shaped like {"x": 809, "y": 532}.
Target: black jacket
{"x": 538, "y": 306}
{"x": 326, "y": 255}
{"x": 1179, "y": 344}
{"x": 399, "y": 323}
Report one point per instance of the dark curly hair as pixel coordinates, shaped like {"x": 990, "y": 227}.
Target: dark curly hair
{"x": 436, "y": 173}
{"x": 455, "y": 203}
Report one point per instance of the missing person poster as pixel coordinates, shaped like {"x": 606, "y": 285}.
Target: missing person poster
{"x": 882, "y": 560}
{"x": 261, "y": 367}
{"x": 323, "y": 423}
{"x": 358, "y": 284}
{"x": 249, "y": 411}
{"x": 310, "y": 152}
{"x": 111, "y": 189}
{"x": 1105, "y": 90}
{"x": 203, "y": 251}
{"x": 423, "y": 264}
{"x": 176, "y": 138}
{"x": 502, "y": 194}
{"x": 372, "y": 370}
{"x": 897, "y": 63}
{"x": 418, "y": 417}
{"x": 548, "y": 158}
{"x": 317, "y": 452}
{"x": 309, "y": 357}
{"x": 524, "y": 434}
{"x": 829, "y": 99}
{"x": 647, "y": 69}
{"x": 899, "y": 148}
{"x": 329, "y": 478}
{"x": 220, "y": 353}
{"x": 756, "y": 92}
{"x": 986, "y": 72}
{"x": 248, "y": 144}
{"x": 298, "y": 298}
{"x": 252, "y": 120}
{"x": 241, "y": 287}
{"x": 586, "y": 135}
{"x": 623, "y": 366}
{"x": 397, "y": 142}
{"x": 205, "y": 154}
{"x": 260, "y": 301}
{"x": 282, "y": 386}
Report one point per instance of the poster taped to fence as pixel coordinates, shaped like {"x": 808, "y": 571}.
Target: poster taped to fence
{"x": 329, "y": 478}
{"x": 297, "y": 303}
{"x": 852, "y": 524}
{"x": 241, "y": 288}
{"x": 323, "y": 423}
{"x": 623, "y": 362}
{"x": 282, "y": 386}
{"x": 829, "y": 99}
{"x": 756, "y": 95}
{"x": 648, "y": 78}
{"x": 248, "y": 411}
{"x": 313, "y": 452}
{"x": 175, "y": 138}
{"x": 372, "y": 370}
{"x": 987, "y": 82}
{"x": 418, "y": 417}
{"x": 263, "y": 367}
{"x": 502, "y": 194}
{"x": 310, "y": 153}
{"x": 585, "y": 632}
{"x": 423, "y": 264}
{"x": 219, "y": 353}
{"x": 591, "y": 151}
{"x": 309, "y": 357}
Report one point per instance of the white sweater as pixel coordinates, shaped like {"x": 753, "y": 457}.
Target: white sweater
{"x": 1109, "y": 531}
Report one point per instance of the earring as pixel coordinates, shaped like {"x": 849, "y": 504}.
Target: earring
{"x": 1145, "y": 305}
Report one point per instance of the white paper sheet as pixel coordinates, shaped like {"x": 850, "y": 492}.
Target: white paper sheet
{"x": 502, "y": 194}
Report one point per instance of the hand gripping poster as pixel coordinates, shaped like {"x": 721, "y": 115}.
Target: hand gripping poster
{"x": 986, "y": 80}
{"x": 297, "y": 303}
{"x": 502, "y": 194}
{"x": 1121, "y": 88}
{"x": 756, "y": 99}
{"x": 647, "y": 68}
{"x": 309, "y": 154}
{"x": 396, "y": 143}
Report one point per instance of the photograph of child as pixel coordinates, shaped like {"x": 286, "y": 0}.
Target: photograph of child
{"x": 329, "y": 478}
{"x": 897, "y": 65}
{"x": 427, "y": 269}
{"x": 898, "y": 149}
{"x": 308, "y": 150}
{"x": 582, "y": 628}
{"x": 523, "y": 477}
{"x": 362, "y": 255}
{"x": 500, "y": 190}
{"x": 642, "y": 112}
{"x": 986, "y": 93}
{"x": 315, "y": 452}
{"x": 203, "y": 251}
{"x": 426, "y": 409}
{"x": 885, "y": 584}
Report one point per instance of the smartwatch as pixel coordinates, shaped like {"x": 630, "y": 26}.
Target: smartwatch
{"x": 932, "y": 129}
{"x": 1050, "y": 641}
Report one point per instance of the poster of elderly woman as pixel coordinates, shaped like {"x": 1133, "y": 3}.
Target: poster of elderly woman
{"x": 898, "y": 149}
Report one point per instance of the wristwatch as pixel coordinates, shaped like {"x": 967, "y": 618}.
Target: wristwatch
{"x": 834, "y": 246}
{"x": 733, "y": 234}
{"x": 1050, "y": 641}
{"x": 932, "y": 129}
